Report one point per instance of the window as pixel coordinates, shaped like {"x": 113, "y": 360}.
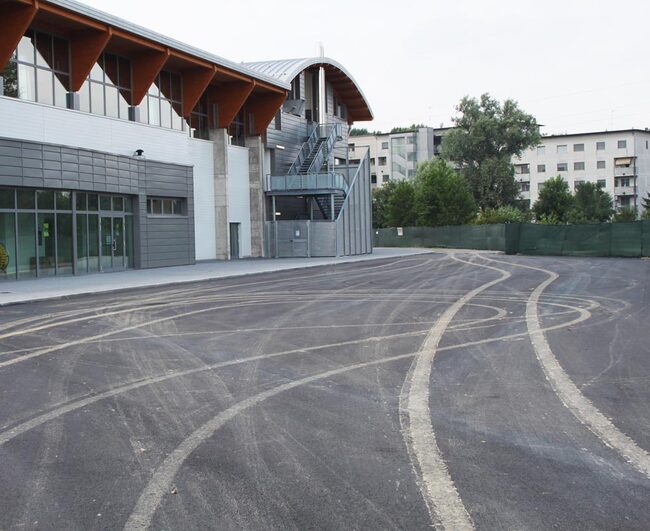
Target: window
{"x": 373, "y": 179}
{"x": 236, "y": 129}
{"x": 578, "y": 147}
{"x": 541, "y": 151}
{"x": 411, "y": 156}
{"x": 372, "y": 161}
{"x": 164, "y": 206}
{"x": 107, "y": 91}
{"x": 524, "y": 186}
{"x": 623, "y": 181}
{"x": 355, "y": 162}
{"x": 578, "y": 166}
{"x": 625, "y": 201}
{"x": 624, "y": 162}
{"x": 601, "y": 183}
{"x": 350, "y": 147}
{"x": 541, "y": 186}
{"x": 562, "y": 148}
{"x": 622, "y": 144}
{"x": 277, "y": 123}
{"x": 522, "y": 169}
{"x": 39, "y": 70}
{"x": 577, "y": 183}
{"x": 384, "y": 145}
{"x": 385, "y": 178}
{"x": 294, "y": 93}
{"x": 600, "y": 165}
{"x": 541, "y": 168}
{"x": 199, "y": 120}
{"x": 600, "y": 146}
{"x": 382, "y": 161}
{"x": 562, "y": 166}
{"x": 163, "y": 103}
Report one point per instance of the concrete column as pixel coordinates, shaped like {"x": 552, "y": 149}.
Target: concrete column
{"x": 219, "y": 138}
{"x": 322, "y": 97}
{"x": 256, "y": 185}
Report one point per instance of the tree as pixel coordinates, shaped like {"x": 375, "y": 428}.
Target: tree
{"x": 486, "y": 137}
{"x": 379, "y": 200}
{"x": 442, "y": 196}
{"x": 626, "y": 214}
{"x": 400, "y": 206}
{"x": 591, "y": 204}
{"x": 646, "y": 202}
{"x": 412, "y": 127}
{"x": 554, "y": 201}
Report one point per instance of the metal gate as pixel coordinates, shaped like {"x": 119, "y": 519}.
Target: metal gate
{"x": 292, "y": 239}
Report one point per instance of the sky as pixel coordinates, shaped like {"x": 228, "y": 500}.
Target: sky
{"x": 576, "y": 65}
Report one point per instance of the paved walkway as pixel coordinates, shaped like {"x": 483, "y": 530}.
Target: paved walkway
{"x": 54, "y": 287}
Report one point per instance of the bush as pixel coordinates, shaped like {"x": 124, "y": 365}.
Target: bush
{"x": 626, "y": 214}
{"x": 505, "y": 214}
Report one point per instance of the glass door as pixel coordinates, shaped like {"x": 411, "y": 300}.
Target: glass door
{"x": 112, "y": 238}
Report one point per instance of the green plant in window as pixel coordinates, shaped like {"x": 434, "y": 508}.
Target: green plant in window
{"x": 4, "y": 258}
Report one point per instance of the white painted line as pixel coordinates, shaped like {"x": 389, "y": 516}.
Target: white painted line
{"x": 568, "y": 392}
{"x": 438, "y": 490}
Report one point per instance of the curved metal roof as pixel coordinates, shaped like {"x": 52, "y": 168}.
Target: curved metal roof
{"x": 342, "y": 81}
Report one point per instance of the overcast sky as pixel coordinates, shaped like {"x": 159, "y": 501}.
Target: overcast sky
{"x": 576, "y": 65}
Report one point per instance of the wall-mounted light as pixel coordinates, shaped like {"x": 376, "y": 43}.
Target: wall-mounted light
{"x": 278, "y": 213}
{"x": 278, "y": 146}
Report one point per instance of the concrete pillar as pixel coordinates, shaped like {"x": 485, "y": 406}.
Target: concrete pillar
{"x": 219, "y": 139}
{"x": 256, "y": 185}
{"x": 322, "y": 97}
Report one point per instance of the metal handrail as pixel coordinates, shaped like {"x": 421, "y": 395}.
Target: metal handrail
{"x": 304, "y": 152}
{"x": 329, "y": 132}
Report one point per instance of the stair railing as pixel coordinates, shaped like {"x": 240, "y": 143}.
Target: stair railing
{"x": 304, "y": 152}
{"x": 330, "y": 133}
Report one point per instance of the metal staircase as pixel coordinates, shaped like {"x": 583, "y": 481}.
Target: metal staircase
{"x": 325, "y": 205}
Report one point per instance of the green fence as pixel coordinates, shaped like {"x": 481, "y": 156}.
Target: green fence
{"x": 481, "y": 237}
{"x": 602, "y": 239}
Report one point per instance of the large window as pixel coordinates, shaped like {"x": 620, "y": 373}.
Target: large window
{"x": 58, "y": 232}
{"x": 107, "y": 91}
{"x": 39, "y": 70}
{"x": 237, "y": 129}
{"x": 164, "y": 102}
{"x": 199, "y": 125}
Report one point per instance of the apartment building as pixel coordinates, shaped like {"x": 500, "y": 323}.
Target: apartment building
{"x": 618, "y": 161}
{"x": 394, "y": 156}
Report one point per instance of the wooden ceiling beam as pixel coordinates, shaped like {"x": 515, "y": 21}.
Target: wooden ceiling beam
{"x": 229, "y": 98}
{"x": 86, "y": 46}
{"x": 16, "y": 18}
{"x": 264, "y": 107}
{"x": 145, "y": 67}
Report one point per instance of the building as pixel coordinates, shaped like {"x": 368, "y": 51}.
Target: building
{"x": 121, "y": 148}
{"x": 618, "y": 161}
{"x": 394, "y": 156}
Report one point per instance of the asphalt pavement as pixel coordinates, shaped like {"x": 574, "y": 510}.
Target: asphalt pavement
{"x": 457, "y": 390}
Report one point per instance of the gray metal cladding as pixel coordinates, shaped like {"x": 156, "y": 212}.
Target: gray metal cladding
{"x": 158, "y": 240}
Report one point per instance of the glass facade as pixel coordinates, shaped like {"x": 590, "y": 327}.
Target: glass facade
{"x": 199, "y": 119}
{"x": 45, "y": 233}
{"x": 163, "y": 103}
{"x": 107, "y": 91}
{"x": 39, "y": 70}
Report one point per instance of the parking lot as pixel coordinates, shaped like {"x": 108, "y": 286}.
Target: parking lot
{"x": 460, "y": 390}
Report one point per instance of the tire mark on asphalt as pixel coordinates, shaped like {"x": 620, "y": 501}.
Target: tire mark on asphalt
{"x": 569, "y": 394}
{"x": 10, "y": 433}
{"x": 436, "y": 485}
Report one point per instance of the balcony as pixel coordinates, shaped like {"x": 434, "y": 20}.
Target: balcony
{"x": 309, "y": 183}
{"x": 625, "y": 191}
{"x": 624, "y": 171}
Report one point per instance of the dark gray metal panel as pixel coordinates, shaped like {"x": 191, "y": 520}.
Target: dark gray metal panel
{"x": 291, "y": 136}
{"x": 158, "y": 241}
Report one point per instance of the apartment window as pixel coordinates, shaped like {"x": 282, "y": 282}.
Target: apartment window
{"x": 410, "y": 174}
{"x": 372, "y": 161}
{"x": 541, "y": 151}
{"x": 601, "y": 165}
{"x": 578, "y": 166}
{"x": 355, "y": 162}
{"x": 600, "y": 146}
{"x": 577, "y": 183}
{"x": 622, "y": 144}
{"x": 524, "y": 186}
{"x": 350, "y": 147}
{"x": 384, "y": 145}
{"x": 522, "y": 169}
{"x": 164, "y": 206}
{"x": 39, "y": 70}
{"x": 623, "y": 181}
{"x": 625, "y": 201}
{"x": 601, "y": 183}
{"x": 373, "y": 179}
{"x": 578, "y": 147}
{"x": 382, "y": 161}
{"x": 562, "y": 166}
{"x": 199, "y": 124}
{"x": 561, "y": 148}
{"x": 412, "y": 156}
{"x": 107, "y": 91}
{"x": 385, "y": 178}
{"x": 163, "y": 103}
{"x": 541, "y": 186}
{"x": 541, "y": 168}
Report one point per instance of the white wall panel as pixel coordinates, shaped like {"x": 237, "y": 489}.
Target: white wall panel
{"x": 239, "y": 200}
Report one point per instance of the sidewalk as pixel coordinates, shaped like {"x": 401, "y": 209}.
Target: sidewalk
{"x": 55, "y": 287}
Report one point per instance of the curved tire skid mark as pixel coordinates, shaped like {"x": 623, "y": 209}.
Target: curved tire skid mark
{"x": 436, "y": 485}
{"x": 572, "y": 398}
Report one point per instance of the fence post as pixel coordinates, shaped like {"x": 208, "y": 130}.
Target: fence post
{"x": 512, "y": 237}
